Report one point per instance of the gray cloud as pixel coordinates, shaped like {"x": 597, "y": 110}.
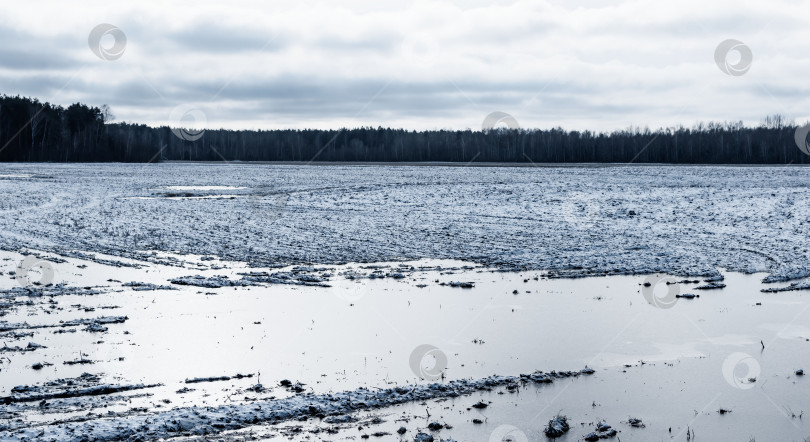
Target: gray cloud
{"x": 23, "y": 50}
{"x": 28, "y": 59}
{"x": 446, "y": 64}
{"x": 211, "y": 37}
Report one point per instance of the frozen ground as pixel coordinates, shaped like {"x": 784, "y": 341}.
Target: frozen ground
{"x": 147, "y": 332}
{"x": 572, "y": 221}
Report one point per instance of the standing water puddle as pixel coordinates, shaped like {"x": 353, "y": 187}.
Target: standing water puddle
{"x": 672, "y": 361}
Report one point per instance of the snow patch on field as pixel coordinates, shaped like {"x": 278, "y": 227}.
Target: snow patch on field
{"x": 572, "y": 221}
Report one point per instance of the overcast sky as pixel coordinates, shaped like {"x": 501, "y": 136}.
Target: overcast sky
{"x": 415, "y": 64}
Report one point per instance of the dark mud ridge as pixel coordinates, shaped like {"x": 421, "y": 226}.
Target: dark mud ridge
{"x": 92, "y": 324}
{"x": 201, "y": 421}
{"x": 84, "y": 385}
{"x": 793, "y": 286}
{"x": 297, "y": 276}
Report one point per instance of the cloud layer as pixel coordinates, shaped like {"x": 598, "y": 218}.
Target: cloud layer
{"x": 414, "y": 64}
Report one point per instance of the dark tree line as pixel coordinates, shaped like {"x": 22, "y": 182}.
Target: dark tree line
{"x": 34, "y": 131}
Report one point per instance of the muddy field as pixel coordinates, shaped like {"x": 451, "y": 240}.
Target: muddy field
{"x": 237, "y": 302}
{"x": 572, "y": 220}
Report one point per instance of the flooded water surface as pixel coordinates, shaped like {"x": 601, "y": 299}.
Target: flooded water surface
{"x": 658, "y": 354}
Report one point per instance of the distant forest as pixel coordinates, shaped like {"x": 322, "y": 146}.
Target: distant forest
{"x": 35, "y": 131}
